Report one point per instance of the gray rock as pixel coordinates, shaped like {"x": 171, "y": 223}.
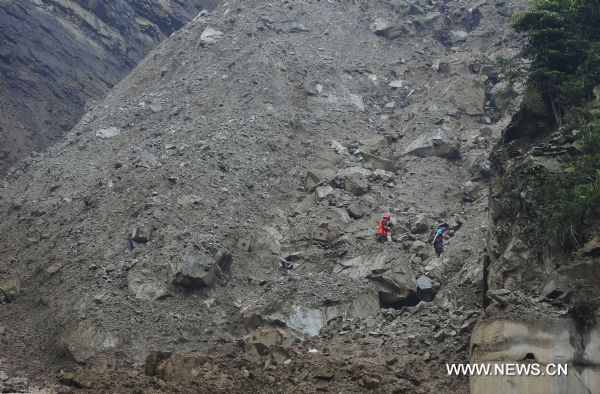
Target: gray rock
{"x": 419, "y": 248}
{"x": 322, "y": 192}
{"x": 157, "y": 107}
{"x": 195, "y": 271}
{"x": 503, "y": 95}
{"x": 87, "y": 340}
{"x": 355, "y": 211}
{"x": 210, "y": 36}
{"x": 386, "y": 28}
{"x": 356, "y": 184}
{"x": 108, "y": 133}
{"x": 224, "y": 260}
{"x": 435, "y": 22}
{"x": 311, "y": 181}
{"x": 394, "y": 279}
{"x": 420, "y": 225}
{"x": 142, "y": 234}
{"x": 425, "y": 289}
{"x": 145, "y": 285}
{"x": 9, "y": 289}
{"x": 378, "y": 163}
{"x": 16, "y": 385}
{"x": 456, "y": 37}
{"x": 435, "y": 144}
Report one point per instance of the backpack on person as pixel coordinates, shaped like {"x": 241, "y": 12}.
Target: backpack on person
{"x": 432, "y": 235}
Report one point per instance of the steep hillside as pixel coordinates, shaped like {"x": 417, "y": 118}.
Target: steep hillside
{"x": 147, "y": 248}
{"x": 57, "y": 55}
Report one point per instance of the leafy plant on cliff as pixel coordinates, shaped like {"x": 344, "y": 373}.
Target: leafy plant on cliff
{"x": 564, "y": 49}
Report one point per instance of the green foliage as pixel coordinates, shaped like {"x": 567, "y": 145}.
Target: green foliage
{"x": 564, "y": 49}
{"x": 565, "y": 202}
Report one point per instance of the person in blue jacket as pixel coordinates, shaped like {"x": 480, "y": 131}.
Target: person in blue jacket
{"x": 438, "y": 240}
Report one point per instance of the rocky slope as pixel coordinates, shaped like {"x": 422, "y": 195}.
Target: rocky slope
{"x": 146, "y": 249}
{"x": 57, "y": 55}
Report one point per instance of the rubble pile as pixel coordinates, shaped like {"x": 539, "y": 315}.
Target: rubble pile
{"x": 210, "y": 225}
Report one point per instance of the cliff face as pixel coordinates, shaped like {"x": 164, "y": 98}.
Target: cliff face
{"x": 56, "y": 55}
{"x": 542, "y": 300}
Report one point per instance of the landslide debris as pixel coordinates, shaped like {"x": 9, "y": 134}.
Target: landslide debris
{"x": 275, "y": 133}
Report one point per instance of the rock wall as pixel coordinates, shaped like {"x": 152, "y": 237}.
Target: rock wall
{"x": 57, "y": 55}
{"x": 542, "y": 301}
{"x": 548, "y": 342}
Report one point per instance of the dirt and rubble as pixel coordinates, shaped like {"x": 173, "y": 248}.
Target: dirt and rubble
{"x": 210, "y": 225}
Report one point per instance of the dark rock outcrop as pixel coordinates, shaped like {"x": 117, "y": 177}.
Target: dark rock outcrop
{"x": 56, "y": 56}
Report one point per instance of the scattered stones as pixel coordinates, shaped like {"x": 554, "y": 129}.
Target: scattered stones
{"x": 108, "y": 133}
{"x": 196, "y": 270}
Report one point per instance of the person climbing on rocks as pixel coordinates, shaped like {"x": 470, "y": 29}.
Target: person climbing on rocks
{"x": 384, "y": 228}
{"x": 438, "y": 239}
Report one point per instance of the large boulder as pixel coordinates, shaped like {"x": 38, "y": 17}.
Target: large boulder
{"x": 434, "y": 144}
{"x": 87, "y": 340}
{"x": 195, "y": 270}
{"x": 275, "y": 318}
{"x": 394, "y": 279}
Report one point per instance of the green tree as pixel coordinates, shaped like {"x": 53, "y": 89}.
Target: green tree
{"x": 564, "y": 49}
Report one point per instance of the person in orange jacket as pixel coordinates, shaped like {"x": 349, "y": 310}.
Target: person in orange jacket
{"x": 384, "y": 228}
